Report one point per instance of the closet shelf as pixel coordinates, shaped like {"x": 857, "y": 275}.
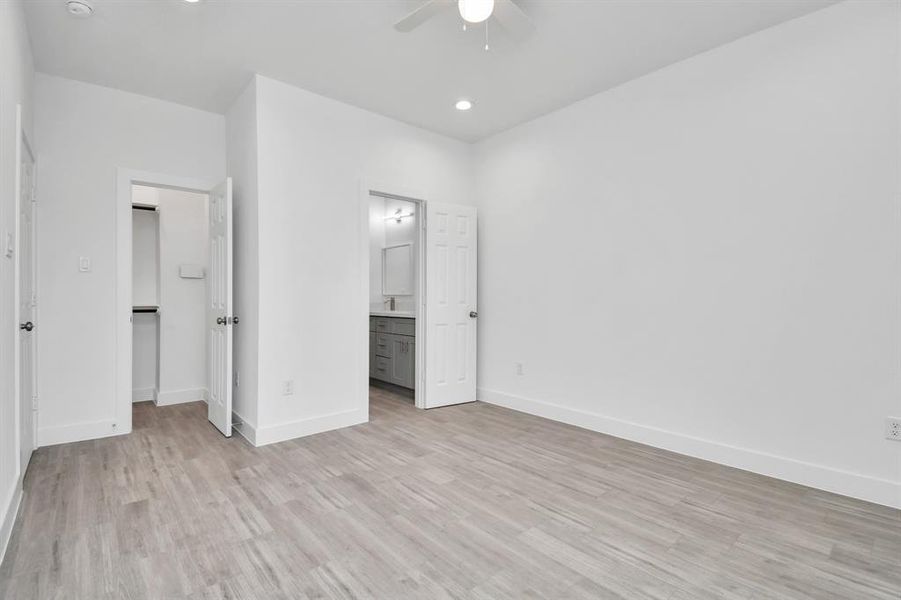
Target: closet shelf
{"x": 145, "y": 309}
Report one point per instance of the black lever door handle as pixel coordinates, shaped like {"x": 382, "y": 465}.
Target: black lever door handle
{"x": 27, "y": 326}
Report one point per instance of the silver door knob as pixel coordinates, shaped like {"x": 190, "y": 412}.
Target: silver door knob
{"x": 27, "y": 326}
{"x": 220, "y": 321}
{"x": 473, "y": 314}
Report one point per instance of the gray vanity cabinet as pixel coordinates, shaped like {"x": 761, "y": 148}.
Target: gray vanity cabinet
{"x": 392, "y": 350}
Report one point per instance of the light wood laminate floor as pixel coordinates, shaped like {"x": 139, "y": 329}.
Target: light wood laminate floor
{"x": 471, "y": 501}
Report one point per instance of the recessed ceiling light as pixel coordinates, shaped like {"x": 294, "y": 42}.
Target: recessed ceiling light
{"x": 79, "y": 8}
{"x": 463, "y": 105}
{"x": 192, "y": 1}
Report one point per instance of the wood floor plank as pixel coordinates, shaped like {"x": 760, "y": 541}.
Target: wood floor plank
{"x": 471, "y": 501}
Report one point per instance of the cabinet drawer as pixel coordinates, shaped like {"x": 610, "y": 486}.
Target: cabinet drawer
{"x": 383, "y": 345}
{"x": 403, "y": 326}
{"x": 382, "y": 369}
{"x": 372, "y": 321}
{"x": 381, "y": 325}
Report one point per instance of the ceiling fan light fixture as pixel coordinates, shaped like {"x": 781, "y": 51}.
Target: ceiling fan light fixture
{"x": 475, "y": 11}
{"x": 463, "y": 104}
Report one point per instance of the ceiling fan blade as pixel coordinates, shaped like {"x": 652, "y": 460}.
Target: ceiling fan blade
{"x": 513, "y": 20}
{"x": 421, "y": 15}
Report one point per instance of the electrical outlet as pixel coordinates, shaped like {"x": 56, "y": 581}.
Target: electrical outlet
{"x": 288, "y": 387}
{"x": 893, "y": 428}
{"x": 518, "y": 368}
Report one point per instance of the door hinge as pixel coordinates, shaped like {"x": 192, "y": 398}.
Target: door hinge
{"x": 34, "y": 403}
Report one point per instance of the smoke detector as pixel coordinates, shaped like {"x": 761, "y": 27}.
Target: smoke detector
{"x": 79, "y": 8}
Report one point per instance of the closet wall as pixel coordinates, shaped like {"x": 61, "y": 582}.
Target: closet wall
{"x": 145, "y": 292}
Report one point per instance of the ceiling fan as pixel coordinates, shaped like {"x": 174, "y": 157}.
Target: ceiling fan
{"x": 505, "y": 12}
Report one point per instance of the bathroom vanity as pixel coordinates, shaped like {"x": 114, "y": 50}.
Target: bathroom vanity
{"x": 392, "y": 348}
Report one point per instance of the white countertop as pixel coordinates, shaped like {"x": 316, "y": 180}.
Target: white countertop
{"x": 392, "y": 313}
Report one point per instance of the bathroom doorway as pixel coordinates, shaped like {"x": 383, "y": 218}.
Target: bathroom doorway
{"x": 422, "y": 311}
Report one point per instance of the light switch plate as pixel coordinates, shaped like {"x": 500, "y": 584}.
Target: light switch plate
{"x": 84, "y": 264}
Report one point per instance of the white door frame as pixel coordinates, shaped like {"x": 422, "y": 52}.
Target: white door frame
{"x": 419, "y": 199}
{"x": 22, "y": 146}
{"x": 125, "y": 178}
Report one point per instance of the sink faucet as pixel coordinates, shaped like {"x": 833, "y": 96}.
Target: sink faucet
{"x": 389, "y": 302}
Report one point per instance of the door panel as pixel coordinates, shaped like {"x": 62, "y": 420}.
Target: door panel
{"x": 451, "y": 251}
{"x": 27, "y": 308}
{"x": 219, "y": 310}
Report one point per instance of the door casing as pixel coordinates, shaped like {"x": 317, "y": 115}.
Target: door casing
{"x": 369, "y": 189}
{"x": 125, "y": 178}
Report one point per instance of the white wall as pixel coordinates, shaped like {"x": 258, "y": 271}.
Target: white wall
{"x": 184, "y": 239}
{"x": 313, "y": 156}
{"x": 241, "y": 127}
{"x": 16, "y": 81}
{"x": 707, "y": 258}
{"x": 83, "y": 133}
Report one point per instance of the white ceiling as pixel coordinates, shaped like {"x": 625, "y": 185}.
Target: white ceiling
{"x": 202, "y": 54}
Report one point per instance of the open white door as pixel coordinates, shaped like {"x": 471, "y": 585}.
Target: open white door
{"x": 219, "y": 317}
{"x": 27, "y": 305}
{"x": 450, "y": 303}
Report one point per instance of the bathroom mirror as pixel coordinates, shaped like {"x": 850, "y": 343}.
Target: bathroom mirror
{"x": 397, "y": 270}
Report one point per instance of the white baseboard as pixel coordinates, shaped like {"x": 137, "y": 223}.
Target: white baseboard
{"x": 170, "y": 397}
{"x": 288, "y": 431}
{"x": 11, "y": 510}
{"x": 863, "y": 487}
{"x": 143, "y": 394}
{"x": 77, "y": 432}
{"x": 244, "y": 429}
